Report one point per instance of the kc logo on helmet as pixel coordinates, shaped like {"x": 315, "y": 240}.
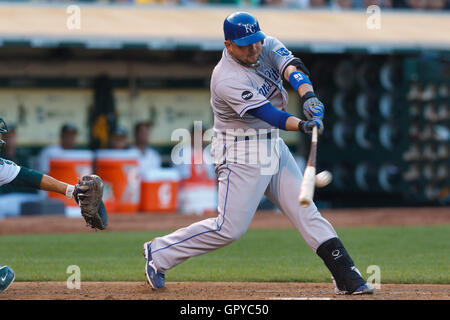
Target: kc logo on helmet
{"x": 250, "y": 28}
{"x": 246, "y": 95}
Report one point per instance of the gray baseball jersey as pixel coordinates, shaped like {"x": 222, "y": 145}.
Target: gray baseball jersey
{"x": 235, "y": 89}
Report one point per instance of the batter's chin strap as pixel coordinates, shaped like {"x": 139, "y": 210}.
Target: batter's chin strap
{"x": 299, "y": 64}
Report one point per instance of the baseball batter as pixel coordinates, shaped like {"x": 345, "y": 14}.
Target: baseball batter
{"x": 249, "y": 105}
{"x": 87, "y": 196}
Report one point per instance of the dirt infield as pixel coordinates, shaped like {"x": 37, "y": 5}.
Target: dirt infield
{"x": 215, "y": 291}
{"x": 221, "y": 290}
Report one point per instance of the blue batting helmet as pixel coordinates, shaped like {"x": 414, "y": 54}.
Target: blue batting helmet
{"x": 242, "y": 28}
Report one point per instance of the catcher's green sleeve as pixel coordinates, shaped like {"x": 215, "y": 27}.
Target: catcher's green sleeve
{"x": 28, "y": 178}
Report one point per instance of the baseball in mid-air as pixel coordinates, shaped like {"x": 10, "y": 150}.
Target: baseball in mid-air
{"x": 323, "y": 178}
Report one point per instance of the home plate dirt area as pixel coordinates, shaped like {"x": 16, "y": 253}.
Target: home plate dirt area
{"x": 216, "y": 291}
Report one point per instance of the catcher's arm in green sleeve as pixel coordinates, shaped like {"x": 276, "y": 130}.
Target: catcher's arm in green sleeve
{"x": 37, "y": 180}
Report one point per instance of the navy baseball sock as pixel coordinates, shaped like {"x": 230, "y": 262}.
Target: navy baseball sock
{"x": 340, "y": 265}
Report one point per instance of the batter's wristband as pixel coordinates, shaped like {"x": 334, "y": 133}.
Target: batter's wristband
{"x": 301, "y": 127}
{"x": 296, "y": 79}
{"x": 307, "y": 95}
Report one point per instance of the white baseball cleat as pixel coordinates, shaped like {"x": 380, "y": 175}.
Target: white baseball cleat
{"x": 364, "y": 289}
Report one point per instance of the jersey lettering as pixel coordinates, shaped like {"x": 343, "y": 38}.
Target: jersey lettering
{"x": 265, "y": 88}
{"x": 272, "y": 74}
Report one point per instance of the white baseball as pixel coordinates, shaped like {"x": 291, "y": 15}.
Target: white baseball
{"x": 323, "y": 178}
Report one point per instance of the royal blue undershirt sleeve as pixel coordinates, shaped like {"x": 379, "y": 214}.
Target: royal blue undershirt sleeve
{"x": 271, "y": 115}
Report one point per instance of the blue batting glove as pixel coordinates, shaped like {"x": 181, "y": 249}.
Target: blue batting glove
{"x": 312, "y": 107}
{"x": 307, "y": 126}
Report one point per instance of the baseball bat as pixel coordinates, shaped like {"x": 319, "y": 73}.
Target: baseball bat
{"x": 309, "y": 177}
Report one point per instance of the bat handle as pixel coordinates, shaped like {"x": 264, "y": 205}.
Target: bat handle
{"x": 314, "y": 134}
{"x": 308, "y": 183}
{"x": 307, "y": 191}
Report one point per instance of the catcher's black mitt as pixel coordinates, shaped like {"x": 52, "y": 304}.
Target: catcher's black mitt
{"x": 88, "y": 194}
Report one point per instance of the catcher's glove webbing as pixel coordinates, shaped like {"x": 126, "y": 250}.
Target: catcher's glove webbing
{"x": 88, "y": 194}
